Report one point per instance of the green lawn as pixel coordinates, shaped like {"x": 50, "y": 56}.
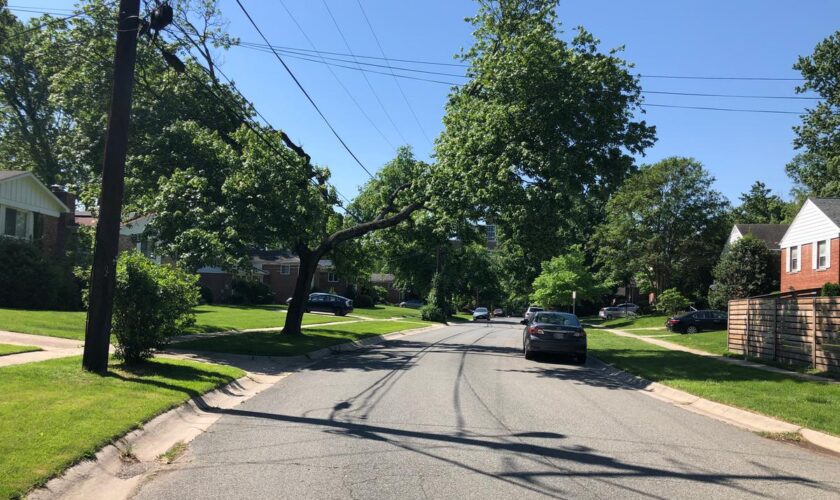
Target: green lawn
{"x": 6, "y": 349}
{"x": 713, "y": 342}
{"x": 71, "y": 324}
{"x": 810, "y": 404}
{"x": 387, "y": 312}
{"x": 275, "y": 344}
{"x": 643, "y": 321}
{"x": 53, "y": 414}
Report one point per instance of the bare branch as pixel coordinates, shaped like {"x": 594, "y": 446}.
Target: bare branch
{"x": 389, "y": 206}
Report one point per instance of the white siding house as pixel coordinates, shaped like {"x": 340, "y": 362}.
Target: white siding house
{"x": 810, "y": 227}
{"x": 22, "y": 198}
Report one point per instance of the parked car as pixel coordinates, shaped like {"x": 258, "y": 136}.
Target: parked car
{"x": 328, "y": 302}
{"x": 697, "y": 321}
{"x": 629, "y": 307}
{"x": 554, "y": 332}
{"x": 481, "y": 313}
{"x": 498, "y": 312}
{"x": 413, "y": 303}
{"x": 529, "y": 313}
{"x": 611, "y": 312}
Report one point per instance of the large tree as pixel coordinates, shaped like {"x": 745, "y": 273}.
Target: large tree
{"x": 564, "y": 276}
{"x": 665, "y": 227}
{"x": 816, "y": 170}
{"x": 760, "y": 206}
{"x": 544, "y": 131}
{"x": 745, "y": 269}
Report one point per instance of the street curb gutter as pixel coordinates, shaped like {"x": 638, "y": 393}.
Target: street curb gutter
{"x": 744, "y": 419}
{"x": 118, "y": 469}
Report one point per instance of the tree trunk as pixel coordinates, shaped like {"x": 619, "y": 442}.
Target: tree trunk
{"x": 294, "y": 316}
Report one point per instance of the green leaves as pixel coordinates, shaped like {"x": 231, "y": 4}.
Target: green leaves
{"x": 746, "y": 268}
{"x": 563, "y": 275}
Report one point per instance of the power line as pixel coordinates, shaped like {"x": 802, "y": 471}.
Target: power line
{"x": 361, "y": 56}
{"x": 748, "y": 78}
{"x": 382, "y": 51}
{"x": 708, "y": 108}
{"x": 337, "y": 79}
{"x": 364, "y": 75}
{"x": 300, "y": 86}
{"x": 46, "y": 23}
{"x": 739, "y": 96}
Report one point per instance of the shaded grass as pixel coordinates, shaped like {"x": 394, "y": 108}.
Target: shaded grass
{"x": 277, "y": 344}
{"x": 387, "y": 312}
{"x": 6, "y": 349}
{"x": 806, "y": 403}
{"x": 53, "y": 413}
{"x": 713, "y": 342}
{"x": 644, "y": 321}
{"x": 209, "y": 318}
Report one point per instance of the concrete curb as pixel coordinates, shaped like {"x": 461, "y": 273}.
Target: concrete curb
{"x": 119, "y": 468}
{"x": 744, "y": 419}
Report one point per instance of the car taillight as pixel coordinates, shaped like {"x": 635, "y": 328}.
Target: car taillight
{"x": 673, "y": 321}
{"x": 535, "y": 331}
{"x": 579, "y": 334}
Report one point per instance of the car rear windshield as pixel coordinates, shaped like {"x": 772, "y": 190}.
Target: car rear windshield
{"x": 559, "y": 319}
{"x": 535, "y": 309}
{"x": 481, "y": 309}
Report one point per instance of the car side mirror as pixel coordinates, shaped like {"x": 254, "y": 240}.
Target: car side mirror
{"x": 523, "y": 322}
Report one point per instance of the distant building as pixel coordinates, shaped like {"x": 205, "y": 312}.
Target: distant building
{"x": 811, "y": 246}
{"x": 770, "y": 234}
{"x": 29, "y": 210}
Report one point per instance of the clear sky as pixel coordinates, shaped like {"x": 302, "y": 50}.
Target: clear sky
{"x": 742, "y": 38}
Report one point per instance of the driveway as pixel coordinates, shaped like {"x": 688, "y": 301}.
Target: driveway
{"x": 459, "y": 413}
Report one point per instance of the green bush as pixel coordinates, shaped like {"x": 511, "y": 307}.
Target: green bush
{"x": 671, "y": 301}
{"x": 29, "y": 279}
{"x": 430, "y": 312}
{"x": 152, "y": 303}
{"x": 245, "y": 291}
{"x": 364, "y": 301}
{"x": 830, "y": 290}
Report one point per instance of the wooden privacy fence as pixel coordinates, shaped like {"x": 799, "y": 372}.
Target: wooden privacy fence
{"x": 796, "y": 330}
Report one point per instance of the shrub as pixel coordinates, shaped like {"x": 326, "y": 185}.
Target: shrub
{"x": 830, "y": 290}
{"x": 244, "y": 291}
{"x": 430, "y": 312}
{"x": 29, "y": 279}
{"x": 671, "y": 301}
{"x": 364, "y": 301}
{"x": 151, "y": 304}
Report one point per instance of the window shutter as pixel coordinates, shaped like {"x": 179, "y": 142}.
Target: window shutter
{"x": 827, "y": 253}
{"x": 787, "y": 259}
{"x": 814, "y": 246}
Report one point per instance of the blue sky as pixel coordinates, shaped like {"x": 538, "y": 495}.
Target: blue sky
{"x": 744, "y": 38}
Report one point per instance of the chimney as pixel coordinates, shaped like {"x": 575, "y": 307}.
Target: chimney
{"x": 68, "y": 199}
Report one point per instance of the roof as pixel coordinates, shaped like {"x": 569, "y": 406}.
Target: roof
{"x": 830, "y": 207}
{"x": 8, "y": 174}
{"x": 381, "y": 278}
{"x": 771, "y": 234}
{"x": 85, "y": 219}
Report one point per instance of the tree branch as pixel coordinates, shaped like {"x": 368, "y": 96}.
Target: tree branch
{"x": 366, "y": 227}
{"x": 389, "y": 206}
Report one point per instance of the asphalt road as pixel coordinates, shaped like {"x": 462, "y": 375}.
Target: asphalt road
{"x": 459, "y": 413}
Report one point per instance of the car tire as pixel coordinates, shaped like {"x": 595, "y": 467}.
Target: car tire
{"x": 580, "y": 359}
{"x": 529, "y": 355}
{"x": 691, "y": 329}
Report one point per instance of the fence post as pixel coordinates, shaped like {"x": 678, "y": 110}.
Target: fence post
{"x": 814, "y": 337}
{"x": 775, "y": 329}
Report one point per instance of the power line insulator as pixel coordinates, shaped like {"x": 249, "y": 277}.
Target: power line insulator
{"x": 161, "y": 17}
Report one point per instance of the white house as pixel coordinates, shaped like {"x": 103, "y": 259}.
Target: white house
{"x": 811, "y": 246}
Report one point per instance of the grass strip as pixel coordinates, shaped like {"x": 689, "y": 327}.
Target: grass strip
{"x": 277, "y": 344}
{"x": 711, "y": 342}
{"x": 7, "y": 349}
{"x": 806, "y": 403}
{"x": 53, "y": 413}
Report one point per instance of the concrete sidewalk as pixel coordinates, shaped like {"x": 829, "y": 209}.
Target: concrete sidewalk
{"x": 51, "y": 348}
{"x": 724, "y": 359}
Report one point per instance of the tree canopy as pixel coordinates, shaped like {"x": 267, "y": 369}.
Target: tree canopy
{"x": 563, "y": 275}
{"x": 746, "y": 268}
{"x": 760, "y": 206}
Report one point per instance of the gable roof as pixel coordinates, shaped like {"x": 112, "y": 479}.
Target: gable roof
{"x": 770, "y": 234}
{"x": 830, "y": 207}
{"x": 37, "y": 197}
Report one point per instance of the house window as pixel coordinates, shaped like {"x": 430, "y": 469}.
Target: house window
{"x": 491, "y": 233}
{"x": 794, "y": 259}
{"x": 15, "y": 223}
{"x": 285, "y": 269}
{"x": 822, "y": 254}
{"x": 332, "y": 278}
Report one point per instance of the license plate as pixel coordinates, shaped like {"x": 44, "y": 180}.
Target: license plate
{"x": 559, "y": 336}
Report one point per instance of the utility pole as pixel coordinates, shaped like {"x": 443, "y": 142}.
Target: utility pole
{"x": 103, "y": 275}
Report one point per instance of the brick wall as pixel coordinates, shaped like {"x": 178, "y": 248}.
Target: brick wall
{"x": 809, "y": 278}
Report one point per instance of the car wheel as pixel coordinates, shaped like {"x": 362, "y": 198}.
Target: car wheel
{"x": 691, "y": 329}
{"x": 580, "y": 359}
{"x": 529, "y": 355}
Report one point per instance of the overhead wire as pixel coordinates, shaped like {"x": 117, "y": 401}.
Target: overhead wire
{"x": 364, "y": 75}
{"x": 302, "y": 89}
{"x": 399, "y": 86}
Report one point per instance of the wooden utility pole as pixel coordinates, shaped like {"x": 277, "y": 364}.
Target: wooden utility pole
{"x": 103, "y": 274}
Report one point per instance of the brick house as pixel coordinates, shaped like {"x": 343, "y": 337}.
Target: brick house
{"x": 31, "y": 211}
{"x": 811, "y": 246}
{"x": 386, "y": 281}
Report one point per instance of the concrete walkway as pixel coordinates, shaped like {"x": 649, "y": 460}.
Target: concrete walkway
{"x": 725, "y": 359}
{"x": 51, "y": 348}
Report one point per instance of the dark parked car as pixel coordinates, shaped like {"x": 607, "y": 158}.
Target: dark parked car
{"x": 412, "y": 303}
{"x": 554, "y": 332}
{"x": 498, "y": 312}
{"x": 697, "y": 321}
{"x": 327, "y": 302}
{"x": 481, "y": 313}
